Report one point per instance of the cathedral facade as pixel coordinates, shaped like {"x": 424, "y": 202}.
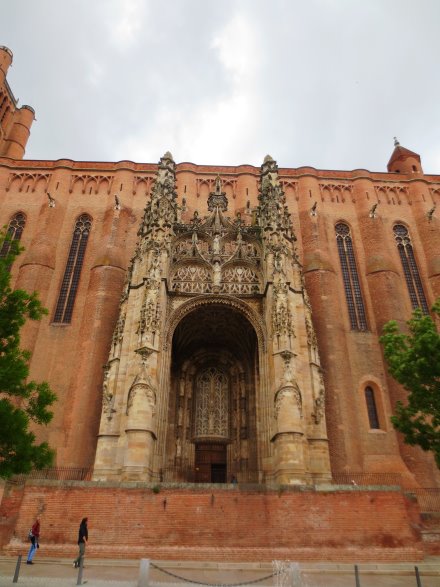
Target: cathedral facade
{"x": 209, "y": 323}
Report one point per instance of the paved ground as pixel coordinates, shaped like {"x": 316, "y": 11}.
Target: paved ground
{"x": 125, "y": 573}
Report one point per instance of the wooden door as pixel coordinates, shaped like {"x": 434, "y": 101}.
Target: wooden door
{"x": 210, "y": 463}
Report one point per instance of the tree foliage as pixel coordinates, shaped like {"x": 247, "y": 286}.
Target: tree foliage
{"x": 22, "y": 402}
{"x": 414, "y": 361}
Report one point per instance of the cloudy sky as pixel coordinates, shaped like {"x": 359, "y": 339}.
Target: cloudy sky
{"x": 325, "y": 83}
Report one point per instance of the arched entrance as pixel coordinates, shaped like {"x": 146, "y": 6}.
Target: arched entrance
{"x": 212, "y": 424}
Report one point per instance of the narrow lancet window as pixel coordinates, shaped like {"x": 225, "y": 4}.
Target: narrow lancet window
{"x": 373, "y": 417}
{"x": 69, "y": 286}
{"x": 410, "y": 269}
{"x": 15, "y": 230}
{"x": 352, "y": 286}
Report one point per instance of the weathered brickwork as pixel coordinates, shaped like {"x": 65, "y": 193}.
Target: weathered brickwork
{"x": 225, "y": 324}
{"x": 71, "y": 356}
{"x": 230, "y": 525}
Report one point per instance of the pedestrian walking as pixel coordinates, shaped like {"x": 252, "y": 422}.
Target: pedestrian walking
{"x": 34, "y": 536}
{"x": 83, "y": 537}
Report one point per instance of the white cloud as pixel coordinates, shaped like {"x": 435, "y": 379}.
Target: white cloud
{"x": 218, "y": 125}
{"x": 125, "y": 21}
{"x": 325, "y": 83}
{"x": 95, "y": 72}
{"x": 237, "y": 48}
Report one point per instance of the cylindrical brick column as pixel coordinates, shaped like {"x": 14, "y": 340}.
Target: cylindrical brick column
{"x": 387, "y": 291}
{"x": 322, "y": 287}
{"x": 38, "y": 264}
{"x": 18, "y": 136}
{"x": 6, "y": 58}
{"x": 427, "y": 219}
{"x": 101, "y": 312}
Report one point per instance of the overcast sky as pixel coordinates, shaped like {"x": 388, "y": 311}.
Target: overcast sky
{"x": 325, "y": 83}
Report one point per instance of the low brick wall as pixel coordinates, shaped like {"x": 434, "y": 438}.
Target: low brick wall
{"x": 218, "y": 524}
{"x": 11, "y": 497}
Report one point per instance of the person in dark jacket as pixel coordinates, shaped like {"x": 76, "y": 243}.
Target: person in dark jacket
{"x": 83, "y": 537}
{"x": 34, "y": 536}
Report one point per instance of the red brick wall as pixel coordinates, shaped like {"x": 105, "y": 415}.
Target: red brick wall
{"x": 10, "y": 503}
{"x": 234, "y": 525}
{"x": 70, "y": 356}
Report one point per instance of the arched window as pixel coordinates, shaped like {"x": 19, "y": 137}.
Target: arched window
{"x": 410, "y": 269}
{"x": 15, "y": 230}
{"x": 212, "y": 404}
{"x": 353, "y": 293}
{"x": 373, "y": 417}
{"x": 69, "y": 286}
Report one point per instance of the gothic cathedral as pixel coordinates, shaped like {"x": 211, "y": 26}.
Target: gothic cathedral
{"x": 218, "y": 323}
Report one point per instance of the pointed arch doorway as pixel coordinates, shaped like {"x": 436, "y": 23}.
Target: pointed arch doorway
{"x": 212, "y": 417}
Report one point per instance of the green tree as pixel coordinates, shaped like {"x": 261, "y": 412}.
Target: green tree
{"x": 21, "y": 402}
{"x": 414, "y": 361}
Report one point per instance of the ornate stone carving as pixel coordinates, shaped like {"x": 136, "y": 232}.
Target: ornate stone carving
{"x": 240, "y": 280}
{"x": 107, "y": 394}
{"x": 142, "y": 391}
{"x": 149, "y": 317}
{"x": 305, "y": 295}
{"x": 311, "y": 335}
{"x": 319, "y": 405}
{"x": 282, "y": 324}
{"x": 192, "y": 304}
{"x": 161, "y": 211}
{"x": 217, "y": 199}
{"x": 285, "y": 395}
{"x": 212, "y": 376}
{"x": 138, "y": 392}
{"x": 118, "y": 333}
{"x": 212, "y": 405}
{"x": 289, "y": 390}
{"x": 225, "y": 254}
{"x": 272, "y": 213}
{"x": 193, "y": 279}
{"x": 288, "y": 374}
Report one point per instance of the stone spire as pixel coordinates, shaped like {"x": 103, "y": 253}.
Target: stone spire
{"x": 272, "y": 213}
{"x": 161, "y": 212}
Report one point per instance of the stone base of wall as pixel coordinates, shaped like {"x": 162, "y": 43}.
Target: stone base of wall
{"x": 213, "y": 523}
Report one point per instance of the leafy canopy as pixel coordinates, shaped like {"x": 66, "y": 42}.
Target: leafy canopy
{"x": 414, "y": 361}
{"x": 21, "y": 402}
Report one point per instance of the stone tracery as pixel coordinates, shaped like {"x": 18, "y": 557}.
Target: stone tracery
{"x": 204, "y": 300}
{"x": 212, "y": 405}
{"x": 216, "y": 255}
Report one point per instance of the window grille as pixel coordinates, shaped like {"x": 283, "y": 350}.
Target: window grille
{"x": 15, "y": 230}
{"x": 371, "y": 408}
{"x": 352, "y": 286}
{"x": 69, "y": 285}
{"x": 212, "y": 404}
{"x": 410, "y": 269}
